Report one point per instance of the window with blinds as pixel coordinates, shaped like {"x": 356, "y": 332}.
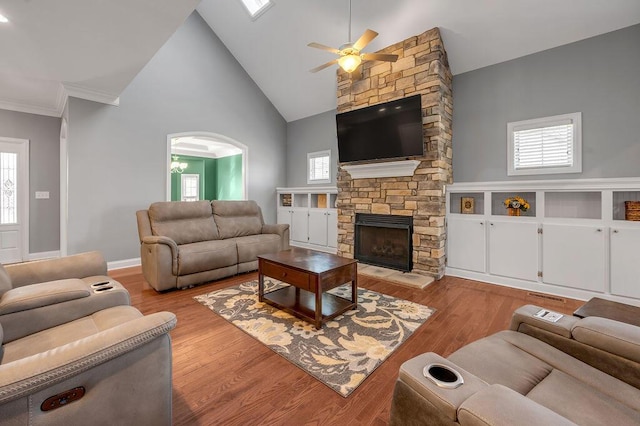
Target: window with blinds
{"x": 319, "y": 167}
{"x": 545, "y": 145}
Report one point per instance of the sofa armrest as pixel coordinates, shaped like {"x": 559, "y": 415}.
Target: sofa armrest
{"x": 281, "y": 229}
{"x": 610, "y": 336}
{"x": 499, "y": 405}
{"x": 74, "y": 266}
{"x": 31, "y": 374}
{"x": 525, "y": 315}
{"x": 445, "y": 400}
{"x": 43, "y": 294}
{"x": 160, "y": 239}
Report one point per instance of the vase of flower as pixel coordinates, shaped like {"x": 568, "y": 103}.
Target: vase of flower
{"x": 516, "y": 205}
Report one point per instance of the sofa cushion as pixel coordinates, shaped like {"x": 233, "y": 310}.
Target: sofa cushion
{"x": 182, "y": 221}
{"x": 251, "y": 246}
{"x": 237, "y": 218}
{"x": 206, "y": 256}
{"x": 5, "y": 280}
{"x": 580, "y": 403}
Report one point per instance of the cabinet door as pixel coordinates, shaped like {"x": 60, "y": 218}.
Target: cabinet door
{"x": 332, "y": 228}
{"x": 299, "y": 225}
{"x": 466, "y": 244}
{"x": 284, "y": 216}
{"x": 513, "y": 249}
{"x": 318, "y": 227}
{"x": 574, "y": 256}
{"x": 625, "y": 262}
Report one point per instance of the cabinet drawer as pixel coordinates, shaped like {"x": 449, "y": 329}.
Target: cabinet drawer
{"x": 287, "y": 275}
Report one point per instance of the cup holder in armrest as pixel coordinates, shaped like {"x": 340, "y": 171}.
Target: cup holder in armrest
{"x": 443, "y": 376}
{"x": 103, "y": 288}
{"x": 98, "y": 285}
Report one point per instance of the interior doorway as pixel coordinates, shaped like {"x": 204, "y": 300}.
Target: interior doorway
{"x": 219, "y": 162}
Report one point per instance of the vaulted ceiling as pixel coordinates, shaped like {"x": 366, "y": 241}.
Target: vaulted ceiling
{"x": 93, "y": 49}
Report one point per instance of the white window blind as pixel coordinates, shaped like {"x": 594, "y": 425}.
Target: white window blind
{"x": 545, "y": 145}
{"x": 319, "y": 167}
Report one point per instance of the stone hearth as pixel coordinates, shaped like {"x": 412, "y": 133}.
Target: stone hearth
{"x": 422, "y": 68}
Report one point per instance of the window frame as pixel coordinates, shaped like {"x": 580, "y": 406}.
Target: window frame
{"x": 512, "y": 127}
{"x": 318, "y": 154}
{"x": 258, "y": 13}
{"x": 183, "y": 183}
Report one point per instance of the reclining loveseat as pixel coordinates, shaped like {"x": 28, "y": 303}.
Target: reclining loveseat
{"x": 573, "y": 371}
{"x": 186, "y": 243}
{"x": 73, "y": 350}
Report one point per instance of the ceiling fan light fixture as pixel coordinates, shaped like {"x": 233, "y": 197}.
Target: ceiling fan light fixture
{"x": 350, "y": 62}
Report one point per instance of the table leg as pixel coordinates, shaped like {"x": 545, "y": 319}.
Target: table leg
{"x": 354, "y": 289}
{"x": 260, "y": 287}
{"x": 318, "y": 322}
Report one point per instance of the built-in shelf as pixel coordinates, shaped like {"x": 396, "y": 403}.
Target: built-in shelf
{"x": 619, "y": 197}
{"x": 498, "y": 207}
{"x": 459, "y": 199}
{"x": 573, "y": 205}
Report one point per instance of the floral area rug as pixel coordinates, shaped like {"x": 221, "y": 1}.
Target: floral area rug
{"x": 345, "y": 351}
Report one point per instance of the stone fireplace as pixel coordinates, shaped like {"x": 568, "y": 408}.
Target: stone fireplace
{"x": 422, "y": 68}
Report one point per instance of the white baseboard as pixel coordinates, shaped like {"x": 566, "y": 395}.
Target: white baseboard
{"x": 126, "y": 263}
{"x": 43, "y": 255}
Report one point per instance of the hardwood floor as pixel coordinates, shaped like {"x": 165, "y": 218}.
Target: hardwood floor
{"x": 222, "y": 376}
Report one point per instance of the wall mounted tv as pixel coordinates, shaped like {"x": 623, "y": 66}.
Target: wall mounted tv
{"x": 383, "y": 131}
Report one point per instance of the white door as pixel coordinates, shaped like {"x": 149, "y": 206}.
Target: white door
{"x": 513, "y": 249}
{"x": 574, "y": 256}
{"x": 318, "y": 227}
{"x": 332, "y": 228}
{"x": 625, "y": 262}
{"x": 466, "y": 244}
{"x": 14, "y": 193}
{"x": 299, "y": 230}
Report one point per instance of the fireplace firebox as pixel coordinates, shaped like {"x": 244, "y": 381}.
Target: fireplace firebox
{"x": 384, "y": 240}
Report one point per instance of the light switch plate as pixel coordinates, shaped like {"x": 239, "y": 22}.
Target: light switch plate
{"x": 42, "y": 195}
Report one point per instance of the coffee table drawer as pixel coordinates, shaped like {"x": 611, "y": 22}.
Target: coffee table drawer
{"x": 287, "y": 275}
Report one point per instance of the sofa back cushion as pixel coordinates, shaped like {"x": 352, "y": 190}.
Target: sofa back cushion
{"x": 183, "y": 221}
{"x": 237, "y": 218}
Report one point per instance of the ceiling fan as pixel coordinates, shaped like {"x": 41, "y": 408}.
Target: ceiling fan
{"x": 351, "y": 53}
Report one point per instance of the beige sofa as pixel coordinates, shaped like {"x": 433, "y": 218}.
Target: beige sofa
{"x": 188, "y": 243}
{"x": 73, "y": 350}
{"x": 575, "y": 371}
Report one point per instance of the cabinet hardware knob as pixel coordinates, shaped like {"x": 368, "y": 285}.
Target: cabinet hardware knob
{"x": 491, "y": 224}
{"x": 481, "y": 223}
{"x": 615, "y": 231}
{"x": 599, "y": 230}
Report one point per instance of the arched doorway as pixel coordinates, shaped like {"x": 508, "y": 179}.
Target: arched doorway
{"x": 205, "y": 166}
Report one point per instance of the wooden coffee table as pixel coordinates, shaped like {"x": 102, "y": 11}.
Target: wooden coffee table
{"x": 310, "y": 274}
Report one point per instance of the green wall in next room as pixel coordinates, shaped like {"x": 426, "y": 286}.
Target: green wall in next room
{"x": 220, "y": 178}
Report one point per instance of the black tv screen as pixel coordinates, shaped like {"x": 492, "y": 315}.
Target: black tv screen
{"x": 389, "y": 130}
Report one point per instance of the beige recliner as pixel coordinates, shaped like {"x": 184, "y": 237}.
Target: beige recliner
{"x": 73, "y": 350}
{"x": 573, "y": 371}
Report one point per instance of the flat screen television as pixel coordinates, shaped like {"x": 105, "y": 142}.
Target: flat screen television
{"x": 383, "y": 131}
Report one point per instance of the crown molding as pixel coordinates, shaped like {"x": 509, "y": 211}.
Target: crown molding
{"x": 81, "y": 92}
{"x": 31, "y": 109}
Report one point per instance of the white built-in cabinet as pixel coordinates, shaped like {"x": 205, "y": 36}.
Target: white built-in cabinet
{"x": 574, "y": 240}
{"x": 311, "y": 215}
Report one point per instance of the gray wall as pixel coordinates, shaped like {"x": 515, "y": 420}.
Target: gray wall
{"x": 315, "y": 133}
{"x": 44, "y": 174}
{"x": 599, "y": 77}
{"x": 117, "y": 155}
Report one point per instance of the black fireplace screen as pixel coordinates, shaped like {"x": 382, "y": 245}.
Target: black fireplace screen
{"x": 384, "y": 240}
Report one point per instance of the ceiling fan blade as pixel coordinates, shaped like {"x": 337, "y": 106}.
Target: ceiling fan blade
{"x": 323, "y": 66}
{"x": 323, "y": 47}
{"x": 379, "y": 57}
{"x": 364, "y": 40}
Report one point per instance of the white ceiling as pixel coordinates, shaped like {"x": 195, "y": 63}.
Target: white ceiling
{"x": 476, "y": 33}
{"x": 93, "y": 48}
{"x": 87, "y": 48}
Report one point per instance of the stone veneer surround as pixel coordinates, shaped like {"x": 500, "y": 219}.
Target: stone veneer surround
{"x": 422, "y": 68}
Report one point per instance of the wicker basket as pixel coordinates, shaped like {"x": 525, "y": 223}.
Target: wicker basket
{"x": 632, "y": 210}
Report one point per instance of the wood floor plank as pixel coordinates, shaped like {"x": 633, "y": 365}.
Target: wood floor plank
{"x": 222, "y": 376}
